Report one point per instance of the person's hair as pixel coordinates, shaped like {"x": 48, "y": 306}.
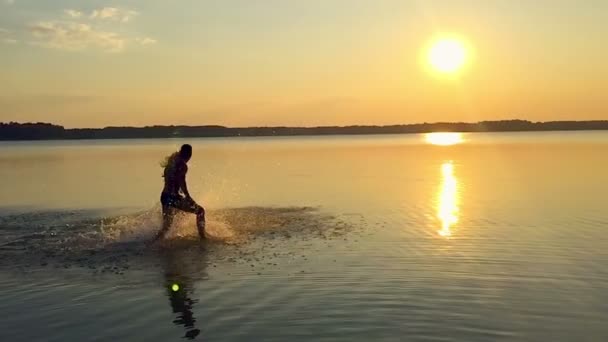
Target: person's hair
{"x": 168, "y": 160}
{"x": 185, "y": 149}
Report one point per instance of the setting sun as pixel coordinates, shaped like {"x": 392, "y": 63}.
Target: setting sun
{"x": 447, "y": 55}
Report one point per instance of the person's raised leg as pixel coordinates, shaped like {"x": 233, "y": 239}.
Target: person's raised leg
{"x": 190, "y": 206}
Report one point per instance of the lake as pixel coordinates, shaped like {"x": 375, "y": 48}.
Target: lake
{"x": 471, "y": 237}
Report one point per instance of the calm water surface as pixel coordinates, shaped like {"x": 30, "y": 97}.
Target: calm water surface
{"x": 500, "y": 236}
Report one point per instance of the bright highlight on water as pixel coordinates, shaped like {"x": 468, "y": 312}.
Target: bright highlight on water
{"x": 447, "y": 210}
{"x": 444, "y": 138}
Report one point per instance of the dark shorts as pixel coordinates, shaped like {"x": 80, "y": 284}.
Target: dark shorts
{"x": 179, "y": 202}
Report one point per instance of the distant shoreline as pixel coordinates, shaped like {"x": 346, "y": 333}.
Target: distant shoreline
{"x": 46, "y": 131}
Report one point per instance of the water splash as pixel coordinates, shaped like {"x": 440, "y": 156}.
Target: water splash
{"x": 96, "y": 240}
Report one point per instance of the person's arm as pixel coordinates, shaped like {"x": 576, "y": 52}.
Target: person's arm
{"x": 182, "y": 180}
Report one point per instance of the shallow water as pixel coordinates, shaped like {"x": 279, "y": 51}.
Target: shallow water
{"x": 500, "y": 237}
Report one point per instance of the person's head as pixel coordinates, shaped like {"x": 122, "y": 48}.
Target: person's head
{"x": 185, "y": 152}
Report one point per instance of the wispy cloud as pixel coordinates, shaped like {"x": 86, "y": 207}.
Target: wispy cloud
{"x": 82, "y": 31}
{"x": 113, "y": 14}
{"x": 73, "y": 13}
{"x": 9, "y": 2}
{"x": 145, "y": 41}
{"x": 5, "y": 36}
{"x": 69, "y": 35}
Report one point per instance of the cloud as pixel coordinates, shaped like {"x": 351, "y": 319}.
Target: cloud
{"x": 68, "y": 35}
{"x": 5, "y": 36}
{"x": 9, "y": 2}
{"x": 73, "y": 13}
{"x": 83, "y": 31}
{"x": 145, "y": 41}
{"x": 113, "y": 14}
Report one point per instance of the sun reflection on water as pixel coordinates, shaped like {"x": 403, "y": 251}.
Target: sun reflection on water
{"x": 444, "y": 138}
{"x": 447, "y": 208}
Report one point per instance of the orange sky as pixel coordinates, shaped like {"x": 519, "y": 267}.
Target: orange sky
{"x": 342, "y": 62}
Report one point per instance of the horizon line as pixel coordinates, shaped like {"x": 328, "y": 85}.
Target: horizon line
{"x": 309, "y": 127}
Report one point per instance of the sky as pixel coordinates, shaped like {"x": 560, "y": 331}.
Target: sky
{"x": 103, "y": 63}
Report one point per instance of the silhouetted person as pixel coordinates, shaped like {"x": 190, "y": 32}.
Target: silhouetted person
{"x": 175, "y": 195}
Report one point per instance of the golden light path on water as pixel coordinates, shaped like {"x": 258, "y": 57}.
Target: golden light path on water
{"x": 447, "y": 206}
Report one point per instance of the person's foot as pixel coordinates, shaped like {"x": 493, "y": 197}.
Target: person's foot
{"x": 201, "y": 230}
{"x": 152, "y": 243}
{"x": 192, "y": 334}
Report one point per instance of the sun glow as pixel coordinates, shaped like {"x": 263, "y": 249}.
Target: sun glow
{"x": 444, "y": 138}
{"x": 447, "y": 208}
{"x": 447, "y": 55}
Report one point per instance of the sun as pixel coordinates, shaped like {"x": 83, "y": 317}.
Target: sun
{"x": 447, "y": 55}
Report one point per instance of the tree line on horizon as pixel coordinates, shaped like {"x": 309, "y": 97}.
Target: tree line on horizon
{"x": 48, "y": 131}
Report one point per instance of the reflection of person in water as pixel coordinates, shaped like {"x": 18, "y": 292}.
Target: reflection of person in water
{"x": 179, "y": 283}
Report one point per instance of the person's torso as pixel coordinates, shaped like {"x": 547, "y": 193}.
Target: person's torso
{"x": 174, "y": 171}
